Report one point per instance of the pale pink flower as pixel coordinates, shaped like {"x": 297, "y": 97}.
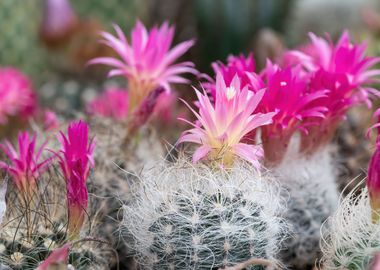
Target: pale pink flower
{"x": 165, "y": 107}
{"x": 223, "y": 125}
{"x": 58, "y": 19}
{"x": 17, "y": 97}
{"x": 25, "y": 163}
{"x": 146, "y": 60}
{"x": 113, "y": 103}
{"x": 76, "y": 159}
{"x": 58, "y": 259}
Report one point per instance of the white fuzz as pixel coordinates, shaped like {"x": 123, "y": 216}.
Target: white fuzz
{"x": 349, "y": 238}
{"x": 193, "y": 217}
{"x": 313, "y": 197}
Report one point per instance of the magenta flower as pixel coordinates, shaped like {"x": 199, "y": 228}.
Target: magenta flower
{"x": 223, "y": 125}
{"x": 76, "y": 159}
{"x": 288, "y": 96}
{"x": 58, "y": 259}
{"x": 26, "y": 163}
{"x": 340, "y": 97}
{"x": 373, "y": 178}
{"x": 113, "y": 103}
{"x": 236, "y": 65}
{"x": 17, "y": 97}
{"x": 147, "y": 61}
{"x": 342, "y": 59}
{"x": 373, "y": 184}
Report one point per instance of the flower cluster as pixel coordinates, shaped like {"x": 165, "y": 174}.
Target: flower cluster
{"x": 17, "y": 97}
{"x": 76, "y": 159}
{"x": 311, "y": 91}
{"x": 147, "y": 60}
{"x": 285, "y": 93}
{"x": 223, "y": 125}
{"x": 341, "y": 69}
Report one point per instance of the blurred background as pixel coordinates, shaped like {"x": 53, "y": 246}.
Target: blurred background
{"x": 55, "y": 58}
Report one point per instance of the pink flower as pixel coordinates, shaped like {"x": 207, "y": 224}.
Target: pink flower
{"x": 50, "y": 120}
{"x": 57, "y": 259}
{"x": 76, "y": 159}
{"x": 17, "y": 97}
{"x": 236, "y": 65}
{"x": 147, "y": 61}
{"x": 288, "y": 95}
{"x": 165, "y": 107}
{"x": 26, "y": 163}
{"x": 223, "y": 125}
{"x": 113, "y": 103}
{"x": 339, "y": 98}
{"x": 57, "y": 21}
{"x": 342, "y": 59}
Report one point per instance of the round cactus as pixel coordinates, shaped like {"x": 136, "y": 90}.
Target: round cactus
{"x": 309, "y": 183}
{"x": 186, "y": 217}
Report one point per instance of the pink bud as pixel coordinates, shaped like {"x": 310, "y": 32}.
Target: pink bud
{"x": 373, "y": 184}
{"x": 59, "y": 257}
{"x": 76, "y": 159}
{"x": 145, "y": 110}
{"x": 375, "y": 263}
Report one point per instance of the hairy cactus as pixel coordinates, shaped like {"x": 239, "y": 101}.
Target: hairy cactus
{"x": 350, "y": 239}
{"x": 186, "y": 217}
{"x": 313, "y": 196}
{"x": 111, "y": 185}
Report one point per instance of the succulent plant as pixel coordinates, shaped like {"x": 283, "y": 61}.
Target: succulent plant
{"x": 311, "y": 187}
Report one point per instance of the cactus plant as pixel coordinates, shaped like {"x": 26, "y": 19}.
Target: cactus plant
{"x": 194, "y": 217}
{"x": 310, "y": 184}
{"x": 350, "y": 238}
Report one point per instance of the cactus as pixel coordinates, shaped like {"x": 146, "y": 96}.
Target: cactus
{"x": 350, "y": 239}
{"x": 313, "y": 196}
{"x": 186, "y": 217}
{"x": 110, "y": 183}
